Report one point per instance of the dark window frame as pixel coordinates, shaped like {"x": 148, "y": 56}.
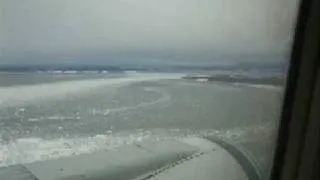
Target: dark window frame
{"x": 298, "y": 144}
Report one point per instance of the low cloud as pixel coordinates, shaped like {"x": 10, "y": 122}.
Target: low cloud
{"x": 170, "y": 31}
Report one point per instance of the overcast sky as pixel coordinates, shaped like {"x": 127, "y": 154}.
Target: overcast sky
{"x": 145, "y": 31}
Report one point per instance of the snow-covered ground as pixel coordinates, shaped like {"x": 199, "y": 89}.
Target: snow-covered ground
{"x": 26, "y": 150}
{"x": 102, "y": 114}
{"x": 20, "y": 94}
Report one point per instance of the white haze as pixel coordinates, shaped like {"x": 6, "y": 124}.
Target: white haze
{"x": 158, "y": 31}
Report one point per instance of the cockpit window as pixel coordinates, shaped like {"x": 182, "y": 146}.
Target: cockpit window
{"x": 80, "y": 77}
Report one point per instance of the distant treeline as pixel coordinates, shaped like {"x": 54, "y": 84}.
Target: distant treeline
{"x": 64, "y": 68}
{"x": 164, "y": 68}
{"x": 269, "y": 80}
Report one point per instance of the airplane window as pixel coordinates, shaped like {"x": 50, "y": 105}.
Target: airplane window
{"x": 142, "y": 89}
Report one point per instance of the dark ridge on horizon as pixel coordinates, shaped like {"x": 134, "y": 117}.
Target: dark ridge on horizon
{"x": 280, "y": 67}
{"x": 266, "y": 80}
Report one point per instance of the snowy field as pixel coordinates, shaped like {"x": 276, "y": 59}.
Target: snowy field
{"x": 58, "y": 119}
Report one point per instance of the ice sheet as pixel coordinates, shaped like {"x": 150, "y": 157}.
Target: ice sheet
{"x": 26, "y": 150}
{"x": 20, "y": 94}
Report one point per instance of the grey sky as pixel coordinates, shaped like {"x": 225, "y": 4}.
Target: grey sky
{"x": 151, "y": 31}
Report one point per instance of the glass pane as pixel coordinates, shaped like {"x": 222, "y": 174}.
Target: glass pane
{"x": 198, "y": 83}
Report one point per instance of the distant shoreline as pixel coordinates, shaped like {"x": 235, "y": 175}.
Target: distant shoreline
{"x": 269, "y": 80}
